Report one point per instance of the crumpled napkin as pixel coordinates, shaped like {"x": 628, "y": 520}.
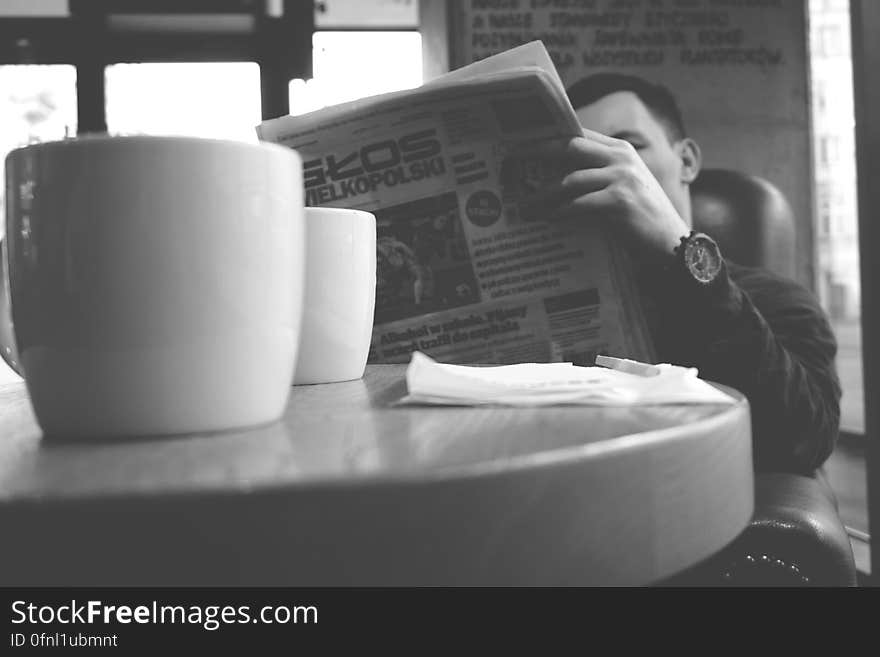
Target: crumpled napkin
{"x": 620, "y": 383}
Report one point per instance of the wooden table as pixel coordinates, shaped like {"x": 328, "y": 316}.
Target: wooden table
{"x": 349, "y": 488}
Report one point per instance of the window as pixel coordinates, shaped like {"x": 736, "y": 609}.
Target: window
{"x": 830, "y": 40}
{"x": 823, "y": 202}
{"x": 837, "y": 256}
{"x": 356, "y": 54}
{"x": 829, "y": 149}
{"x": 202, "y": 99}
{"x": 37, "y": 103}
{"x": 820, "y": 96}
{"x": 835, "y": 194}
{"x": 386, "y": 61}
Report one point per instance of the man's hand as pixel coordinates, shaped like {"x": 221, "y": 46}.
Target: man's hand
{"x": 604, "y": 178}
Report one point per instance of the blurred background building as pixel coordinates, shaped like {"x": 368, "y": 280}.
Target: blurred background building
{"x": 837, "y": 262}
{"x": 836, "y": 218}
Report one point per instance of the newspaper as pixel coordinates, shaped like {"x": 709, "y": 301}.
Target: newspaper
{"x": 467, "y": 272}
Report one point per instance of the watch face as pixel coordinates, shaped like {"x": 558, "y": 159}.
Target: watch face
{"x": 702, "y": 258}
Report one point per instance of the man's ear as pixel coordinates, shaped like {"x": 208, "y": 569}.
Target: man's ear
{"x": 691, "y": 160}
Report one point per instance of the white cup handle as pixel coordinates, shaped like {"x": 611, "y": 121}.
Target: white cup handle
{"x": 7, "y": 336}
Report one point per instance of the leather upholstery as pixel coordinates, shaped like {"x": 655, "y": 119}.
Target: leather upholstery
{"x": 795, "y": 523}
{"x": 795, "y": 538}
{"x": 749, "y": 217}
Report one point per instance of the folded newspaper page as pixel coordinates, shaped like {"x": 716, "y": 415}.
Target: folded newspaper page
{"x": 467, "y": 271}
{"x": 545, "y": 384}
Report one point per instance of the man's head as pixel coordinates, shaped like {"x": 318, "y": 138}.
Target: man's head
{"x": 647, "y": 116}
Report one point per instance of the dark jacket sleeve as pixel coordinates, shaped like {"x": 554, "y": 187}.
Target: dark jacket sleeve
{"x": 767, "y": 337}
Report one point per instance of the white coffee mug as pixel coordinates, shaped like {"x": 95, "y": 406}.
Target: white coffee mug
{"x": 340, "y": 296}
{"x": 154, "y": 284}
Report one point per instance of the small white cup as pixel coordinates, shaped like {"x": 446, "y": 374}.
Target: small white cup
{"x": 155, "y": 283}
{"x": 340, "y": 295}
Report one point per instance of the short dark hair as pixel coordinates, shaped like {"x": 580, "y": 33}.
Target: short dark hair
{"x": 657, "y": 98}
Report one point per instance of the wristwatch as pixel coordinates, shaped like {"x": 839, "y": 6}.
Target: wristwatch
{"x": 698, "y": 259}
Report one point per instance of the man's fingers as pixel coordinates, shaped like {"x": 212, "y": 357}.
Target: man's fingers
{"x": 584, "y": 181}
{"x": 574, "y": 184}
{"x": 571, "y": 153}
{"x": 598, "y": 137}
{"x": 586, "y": 152}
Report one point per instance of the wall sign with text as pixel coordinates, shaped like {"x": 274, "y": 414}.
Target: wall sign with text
{"x": 738, "y": 68}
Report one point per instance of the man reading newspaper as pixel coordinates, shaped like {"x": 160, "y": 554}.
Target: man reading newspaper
{"x": 762, "y": 334}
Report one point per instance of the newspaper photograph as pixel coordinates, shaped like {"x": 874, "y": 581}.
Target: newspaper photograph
{"x": 467, "y": 270}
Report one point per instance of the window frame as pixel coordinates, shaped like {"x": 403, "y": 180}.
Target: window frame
{"x": 865, "y": 22}
{"x": 280, "y": 45}
{"x": 279, "y": 42}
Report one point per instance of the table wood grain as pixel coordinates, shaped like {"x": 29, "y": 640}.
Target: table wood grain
{"x": 350, "y": 488}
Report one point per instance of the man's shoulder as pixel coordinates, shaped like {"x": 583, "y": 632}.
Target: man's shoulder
{"x": 759, "y": 275}
{"x": 789, "y": 307}
{"x": 768, "y": 288}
